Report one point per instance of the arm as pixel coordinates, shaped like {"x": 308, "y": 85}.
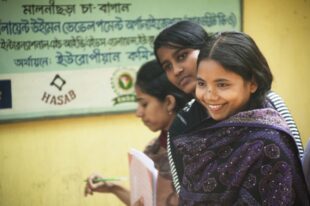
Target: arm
{"x": 106, "y": 187}
{"x": 165, "y": 192}
{"x": 121, "y": 193}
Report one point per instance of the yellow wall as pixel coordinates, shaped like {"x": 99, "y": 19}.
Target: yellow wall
{"x": 44, "y": 162}
{"x": 282, "y": 30}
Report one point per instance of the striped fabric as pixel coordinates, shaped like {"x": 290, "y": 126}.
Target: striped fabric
{"x": 280, "y": 106}
{"x": 173, "y": 170}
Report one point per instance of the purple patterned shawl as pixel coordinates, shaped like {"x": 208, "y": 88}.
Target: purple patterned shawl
{"x": 247, "y": 159}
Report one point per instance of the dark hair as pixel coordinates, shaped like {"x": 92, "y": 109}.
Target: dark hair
{"x": 237, "y": 52}
{"x": 152, "y": 80}
{"x": 183, "y": 34}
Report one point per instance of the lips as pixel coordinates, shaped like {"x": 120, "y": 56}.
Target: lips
{"x": 184, "y": 80}
{"x": 215, "y": 107}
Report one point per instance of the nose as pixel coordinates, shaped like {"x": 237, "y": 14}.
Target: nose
{"x": 177, "y": 69}
{"x": 210, "y": 94}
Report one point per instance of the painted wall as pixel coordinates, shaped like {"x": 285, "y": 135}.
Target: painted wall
{"x": 44, "y": 162}
{"x": 282, "y": 30}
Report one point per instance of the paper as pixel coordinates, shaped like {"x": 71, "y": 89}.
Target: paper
{"x": 143, "y": 178}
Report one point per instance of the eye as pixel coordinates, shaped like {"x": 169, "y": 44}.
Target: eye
{"x": 222, "y": 85}
{"x": 142, "y": 104}
{"x": 167, "y": 66}
{"x": 200, "y": 83}
{"x": 182, "y": 56}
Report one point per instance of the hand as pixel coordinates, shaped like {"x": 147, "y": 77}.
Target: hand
{"x": 91, "y": 186}
{"x": 139, "y": 202}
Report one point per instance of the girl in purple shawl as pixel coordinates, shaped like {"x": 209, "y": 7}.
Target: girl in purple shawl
{"x": 244, "y": 154}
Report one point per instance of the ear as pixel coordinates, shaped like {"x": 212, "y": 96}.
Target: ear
{"x": 253, "y": 86}
{"x": 170, "y": 103}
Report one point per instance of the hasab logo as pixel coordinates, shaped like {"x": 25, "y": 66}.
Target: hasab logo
{"x": 122, "y": 83}
{"x": 62, "y": 97}
{"x": 58, "y": 82}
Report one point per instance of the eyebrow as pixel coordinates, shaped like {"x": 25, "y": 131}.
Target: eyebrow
{"x": 221, "y": 80}
{"x": 217, "y": 80}
{"x": 199, "y": 78}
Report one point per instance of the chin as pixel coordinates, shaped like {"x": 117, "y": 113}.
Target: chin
{"x": 217, "y": 118}
{"x": 153, "y": 129}
{"x": 188, "y": 90}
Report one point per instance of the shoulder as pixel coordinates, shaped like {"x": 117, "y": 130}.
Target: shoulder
{"x": 191, "y": 115}
{"x": 263, "y": 125}
{"x": 278, "y": 104}
{"x": 271, "y": 144}
{"x": 256, "y": 118}
{"x": 159, "y": 156}
{"x": 275, "y": 99}
{"x": 152, "y": 146}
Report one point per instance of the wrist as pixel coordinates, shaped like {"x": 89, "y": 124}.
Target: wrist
{"x": 113, "y": 188}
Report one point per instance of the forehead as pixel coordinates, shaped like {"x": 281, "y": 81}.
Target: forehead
{"x": 143, "y": 96}
{"x": 213, "y": 70}
{"x": 139, "y": 92}
{"x": 209, "y": 65}
{"x": 167, "y": 50}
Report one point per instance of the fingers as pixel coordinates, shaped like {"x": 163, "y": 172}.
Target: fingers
{"x": 139, "y": 202}
{"x": 93, "y": 184}
{"x": 87, "y": 190}
{"x": 91, "y": 187}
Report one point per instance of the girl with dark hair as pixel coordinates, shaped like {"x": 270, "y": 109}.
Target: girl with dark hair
{"x": 158, "y": 101}
{"x": 177, "y": 48}
{"x": 244, "y": 154}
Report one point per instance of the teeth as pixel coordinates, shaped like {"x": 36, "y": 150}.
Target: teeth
{"x": 215, "y": 107}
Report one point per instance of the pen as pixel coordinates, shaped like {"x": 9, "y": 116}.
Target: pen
{"x": 96, "y": 180}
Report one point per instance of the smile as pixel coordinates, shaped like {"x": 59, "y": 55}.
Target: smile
{"x": 215, "y": 107}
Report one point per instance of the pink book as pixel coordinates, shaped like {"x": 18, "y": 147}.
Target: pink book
{"x": 143, "y": 178}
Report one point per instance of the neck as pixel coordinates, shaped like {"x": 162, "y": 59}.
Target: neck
{"x": 170, "y": 122}
{"x": 163, "y": 139}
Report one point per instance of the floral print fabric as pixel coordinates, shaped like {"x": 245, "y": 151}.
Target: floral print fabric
{"x": 248, "y": 159}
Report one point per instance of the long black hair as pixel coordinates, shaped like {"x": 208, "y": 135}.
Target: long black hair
{"x": 152, "y": 80}
{"x": 182, "y": 34}
{"x": 237, "y": 52}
